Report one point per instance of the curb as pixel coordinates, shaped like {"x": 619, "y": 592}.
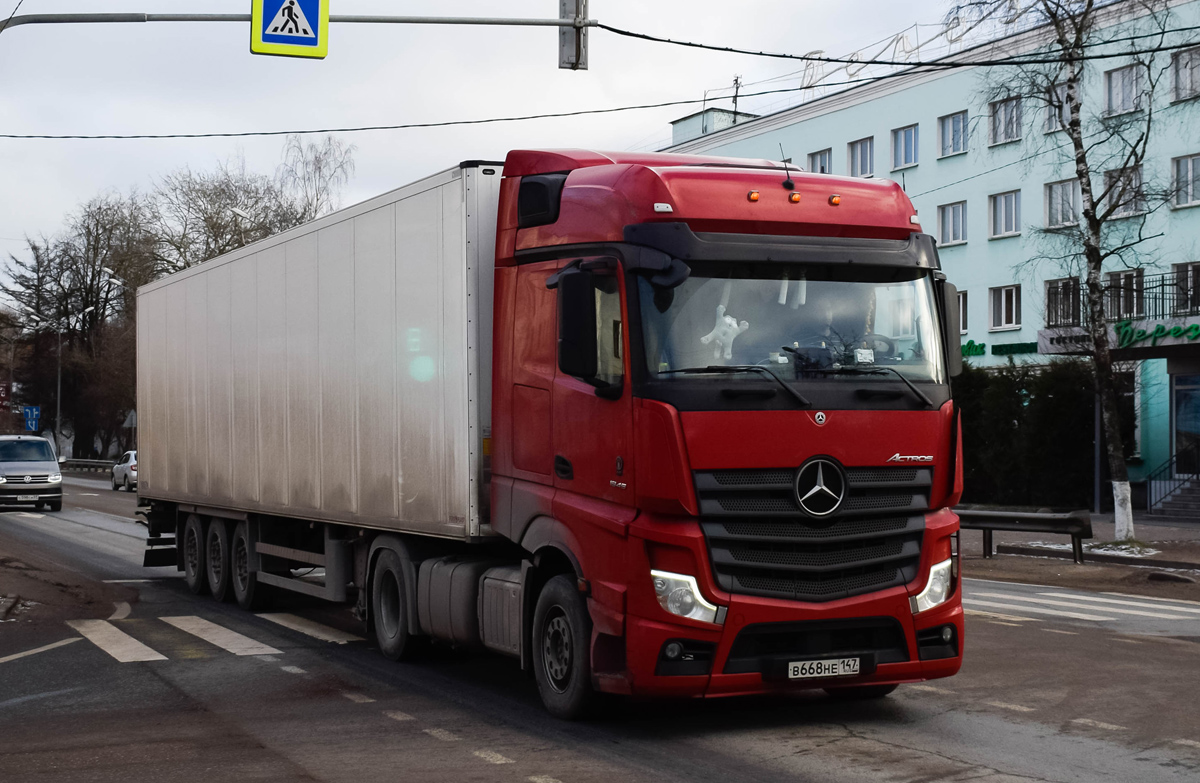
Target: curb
{"x": 1065, "y": 554}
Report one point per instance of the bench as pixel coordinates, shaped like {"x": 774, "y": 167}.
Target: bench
{"x": 1076, "y": 524}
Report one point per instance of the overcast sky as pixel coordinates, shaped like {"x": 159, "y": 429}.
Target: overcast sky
{"x": 167, "y": 78}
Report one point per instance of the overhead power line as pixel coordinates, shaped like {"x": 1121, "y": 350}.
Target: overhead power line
{"x": 947, "y": 64}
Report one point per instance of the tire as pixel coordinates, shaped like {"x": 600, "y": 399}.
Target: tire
{"x": 194, "y": 561}
{"x": 860, "y": 692}
{"x": 127, "y": 485}
{"x": 249, "y": 594}
{"x": 389, "y": 608}
{"x": 54, "y": 505}
{"x": 216, "y": 552}
{"x": 115, "y": 484}
{"x": 562, "y": 635}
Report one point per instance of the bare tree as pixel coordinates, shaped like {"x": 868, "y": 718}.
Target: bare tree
{"x": 1106, "y": 118}
{"x": 313, "y": 174}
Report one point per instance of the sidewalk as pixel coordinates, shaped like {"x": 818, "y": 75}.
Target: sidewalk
{"x": 1168, "y": 541}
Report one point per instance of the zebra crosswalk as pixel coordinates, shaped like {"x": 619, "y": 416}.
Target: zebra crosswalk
{"x": 133, "y": 641}
{"x": 1022, "y": 603}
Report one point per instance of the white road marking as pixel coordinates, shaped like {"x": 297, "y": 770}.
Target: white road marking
{"x": 492, "y": 757}
{"x": 1055, "y": 630}
{"x": 268, "y": 658}
{"x": 397, "y": 715}
{"x": 1001, "y": 622}
{"x": 1071, "y": 605}
{"x": 997, "y": 615}
{"x": 309, "y": 628}
{"x": 441, "y": 734}
{"x": 1187, "y": 743}
{"x": 293, "y": 670}
{"x": 543, "y": 779}
{"x": 121, "y": 611}
{"x": 1127, "y": 641}
{"x": 86, "y": 494}
{"x": 357, "y": 698}
{"x": 1006, "y": 706}
{"x": 1156, "y": 598}
{"x": 114, "y": 641}
{"x": 1098, "y": 724}
{"x": 1035, "y": 610}
{"x": 37, "y": 650}
{"x": 929, "y": 688}
{"x": 1122, "y": 603}
{"x": 230, "y": 641}
{"x": 30, "y": 515}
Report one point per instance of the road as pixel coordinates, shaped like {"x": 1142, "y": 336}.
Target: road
{"x": 111, "y": 679}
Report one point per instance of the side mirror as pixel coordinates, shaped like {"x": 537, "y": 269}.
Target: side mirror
{"x": 952, "y": 333}
{"x": 62, "y": 460}
{"x": 577, "y": 350}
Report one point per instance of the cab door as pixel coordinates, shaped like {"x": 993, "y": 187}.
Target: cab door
{"x": 593, "y": 410}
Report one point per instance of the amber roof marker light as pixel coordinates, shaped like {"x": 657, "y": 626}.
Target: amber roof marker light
{"x": 752, "y": 195}
{"x": 835, "y": 200}
{"x": 794, "y": 198}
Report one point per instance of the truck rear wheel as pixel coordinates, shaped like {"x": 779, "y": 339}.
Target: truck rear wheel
{"x": 389, "y": 608}
{"x": 562, "y": 635}
{"x": 217, "y": 559}
{"x": 249, "y": 594}
{"x": 193, "y": 554}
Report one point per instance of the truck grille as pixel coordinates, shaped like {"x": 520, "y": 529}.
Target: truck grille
{"x": 34, "y": 478}
{"x": 761, "y": 543}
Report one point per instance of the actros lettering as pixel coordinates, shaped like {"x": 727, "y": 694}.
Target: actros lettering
{"x": 898, "y": 457}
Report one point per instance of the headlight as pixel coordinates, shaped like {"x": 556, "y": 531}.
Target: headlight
{"x": 55, "y": 478}
{"x": 937, "y": 589}
{"x": 680, "y": 595}
{"x": 3, "y": 480}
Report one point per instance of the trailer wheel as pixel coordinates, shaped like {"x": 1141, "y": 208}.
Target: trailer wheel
{"x": 217, "y": 559}
{"x": 249, "y": 594}
{"x": 562, "y": 633}
{"x": 193, "y": 554}
{"x": 860, "y": 692}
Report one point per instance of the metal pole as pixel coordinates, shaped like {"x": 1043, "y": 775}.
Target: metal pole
{"x": 1096, "y": 468}
{"x": 127, "y": 18}
{"x": 58, "y": 399}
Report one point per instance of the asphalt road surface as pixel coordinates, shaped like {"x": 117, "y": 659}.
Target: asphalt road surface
{"x": 112, "y": 672}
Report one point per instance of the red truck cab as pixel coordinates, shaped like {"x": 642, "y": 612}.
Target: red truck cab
{"x": 722, "y": 402}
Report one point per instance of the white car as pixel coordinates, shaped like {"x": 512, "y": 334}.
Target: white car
{"x": 124, "y": 473}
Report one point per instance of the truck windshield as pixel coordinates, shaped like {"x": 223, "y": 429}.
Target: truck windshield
{"x": 816, "y": 323}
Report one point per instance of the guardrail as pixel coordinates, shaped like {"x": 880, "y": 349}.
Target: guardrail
{"x": 1076, "y": 524}
{"x": 88, "y": 465}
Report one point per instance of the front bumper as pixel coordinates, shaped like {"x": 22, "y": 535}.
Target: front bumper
{"x": 14, "y": 494}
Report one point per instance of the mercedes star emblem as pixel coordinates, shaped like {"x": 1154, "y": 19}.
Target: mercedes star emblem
{"x": 820, "y": 487}
{"x": 820, "y": 417}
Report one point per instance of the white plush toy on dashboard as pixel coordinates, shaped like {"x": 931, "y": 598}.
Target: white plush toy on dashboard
{"x": 724, "y": 333}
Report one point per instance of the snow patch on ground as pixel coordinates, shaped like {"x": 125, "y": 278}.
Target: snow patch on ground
{"x": 1103, "y": 548}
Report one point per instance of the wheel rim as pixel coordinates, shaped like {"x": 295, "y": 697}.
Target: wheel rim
{"x": 191, "y": 551}
{"x": 557, "y": 652}
{"x": 214, "y": 558}
{"x": 241, "y": 564}
{"x": 389, "y": 605}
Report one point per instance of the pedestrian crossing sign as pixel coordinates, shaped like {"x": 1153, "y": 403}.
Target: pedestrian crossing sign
{"x": 291, "y": 28}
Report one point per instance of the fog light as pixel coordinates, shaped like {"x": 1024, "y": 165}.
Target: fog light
{"x": 673, "y": 650}
{"x": 947, "y": 634}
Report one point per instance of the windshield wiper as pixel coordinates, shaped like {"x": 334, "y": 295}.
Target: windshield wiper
{"x": 876, "y": 370}
{"x": 720, "y": 369}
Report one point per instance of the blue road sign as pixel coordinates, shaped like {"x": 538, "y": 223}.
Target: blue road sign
{"x": 31, "y": 425}
{"x": 296, "y": 28}
{"x": 32, "y": 412}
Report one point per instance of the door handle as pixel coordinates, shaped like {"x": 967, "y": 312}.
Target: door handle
{"x": 562, "y": 467}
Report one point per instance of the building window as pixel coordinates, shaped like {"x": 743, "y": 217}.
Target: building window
{"x": 1062, "y": 302}
{"x": 1124, "y": 188}
{"x": 1006, "y": 214}
{"x": 1187, "y": 288}
{"x": 1187, "y": 181}
{"x": 952, "y": 223}
{"x": 1058, "y": 114}
{"x": 1125, "y": 294}
{"x": 821, "y": 162}
{"x": 952, "y": 132}
{"x": 1123, "y": 89}
{"x": 1186, "y": 65}
{"x": 1006, "y": 307}
{"x": 1006, "y": 120}
{"x": 862, "y": 157}
{"x": 1062, "y": 203}
{"x": 904, "y": 146}
{"x": 962, "y": 312}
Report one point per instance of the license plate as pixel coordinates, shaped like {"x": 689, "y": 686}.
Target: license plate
{"x": 832, "y": 667}
{"x": 27, "y": 498}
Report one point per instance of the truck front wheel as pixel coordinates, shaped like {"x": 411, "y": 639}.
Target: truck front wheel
{"x": 193, "y": 554}
{"x": 389, "y": 608}
{"x": 562, "y": 634}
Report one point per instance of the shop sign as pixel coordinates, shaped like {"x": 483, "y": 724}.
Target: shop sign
{"x": 1130, "y": 336}
{"x": 1008, "y": 349}
{"x": 972, "y": 348}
